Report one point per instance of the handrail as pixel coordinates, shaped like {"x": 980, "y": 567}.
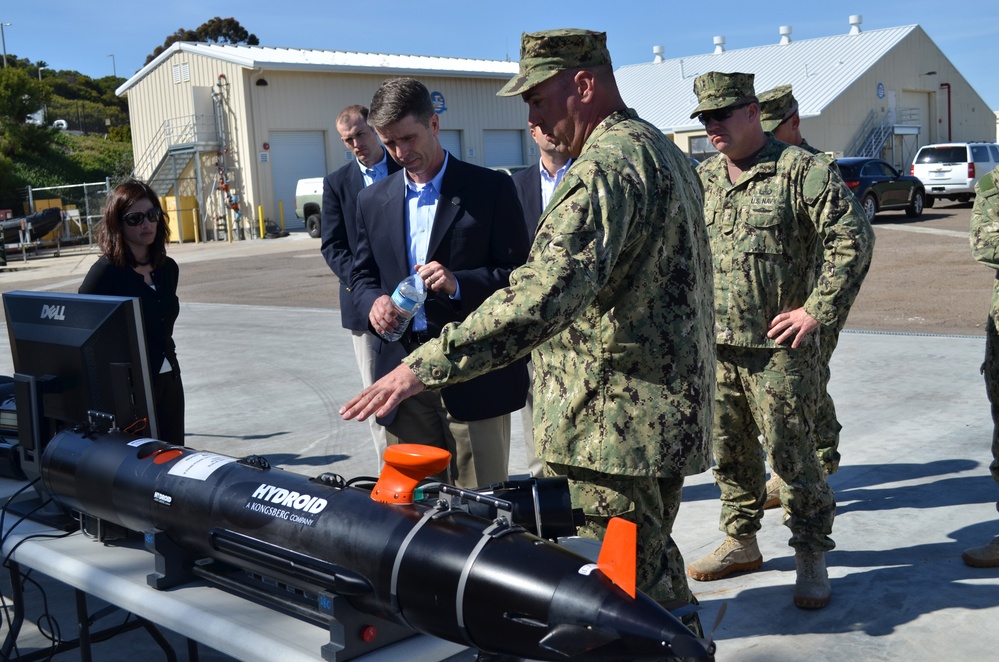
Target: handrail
{"x": 872, "y": 136}
{"x": 861, "y": 136}
{"x": 183, "y": 130}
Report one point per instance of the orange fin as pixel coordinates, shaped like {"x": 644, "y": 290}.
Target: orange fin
{"x": 618, "y": 554}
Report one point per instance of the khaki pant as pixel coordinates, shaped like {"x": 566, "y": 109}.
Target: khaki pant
{"x": 480, "y": 450}
{"x": 364, "y": 354}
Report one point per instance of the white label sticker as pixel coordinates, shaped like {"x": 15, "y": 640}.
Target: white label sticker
{"x": 199, "y": 466}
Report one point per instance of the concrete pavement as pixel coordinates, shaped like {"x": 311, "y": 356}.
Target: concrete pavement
{"x": 913, "y": 491}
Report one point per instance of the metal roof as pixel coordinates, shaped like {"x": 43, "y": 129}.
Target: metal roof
{"x": 818, "y": 69}
{"x": 306, "y": 59}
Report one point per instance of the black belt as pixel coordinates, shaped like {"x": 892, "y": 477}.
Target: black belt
{"x": 414, "y": 339}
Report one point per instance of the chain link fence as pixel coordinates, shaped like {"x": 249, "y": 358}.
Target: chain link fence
{"x": 81, "y": 205}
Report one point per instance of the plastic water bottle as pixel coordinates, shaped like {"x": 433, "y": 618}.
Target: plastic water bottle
{"x": 407, "y": 300}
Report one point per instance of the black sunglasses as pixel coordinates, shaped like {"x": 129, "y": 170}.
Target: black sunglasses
{"x": 135, "y": 218}
{"x": 719, "y": 115}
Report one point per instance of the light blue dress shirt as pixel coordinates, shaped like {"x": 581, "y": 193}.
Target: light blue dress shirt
{"x": 375, "y": 173}
{"x": 421, "y": 209}
{"x": 549, "y": 182}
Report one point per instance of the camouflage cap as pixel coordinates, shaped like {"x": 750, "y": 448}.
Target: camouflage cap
{"x": 544, "y": 54}
{"x": 716, "y": 90}
{"x": 776, "y": 105}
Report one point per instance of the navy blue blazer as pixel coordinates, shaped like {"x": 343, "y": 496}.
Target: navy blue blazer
{"x": 339, "y": 232}
{"x": 528, "y": 184}
{"x": 479, "y": 235}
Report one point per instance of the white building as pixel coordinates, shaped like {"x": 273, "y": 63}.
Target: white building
{"x": 231, "y": 129}
{"x": 873, "y": 93}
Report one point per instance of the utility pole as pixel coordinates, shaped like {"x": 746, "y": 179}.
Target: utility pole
{"x": 114, "y": 69}
{"x": 3, "y": 39}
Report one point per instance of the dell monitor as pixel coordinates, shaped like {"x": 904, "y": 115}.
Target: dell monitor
{"x": 78, "y": 358}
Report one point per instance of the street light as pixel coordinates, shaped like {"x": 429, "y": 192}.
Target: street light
{"x": 40, "y": 73}
{"x": 113, "y": 67}
{"x": 3, "y": 39}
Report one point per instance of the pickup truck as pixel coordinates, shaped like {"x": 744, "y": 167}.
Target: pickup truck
{"x": 309, "y": 203}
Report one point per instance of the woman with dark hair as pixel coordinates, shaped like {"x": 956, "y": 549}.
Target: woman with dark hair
{"x": 133, "y": 237}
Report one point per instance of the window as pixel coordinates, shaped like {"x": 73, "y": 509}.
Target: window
{"x": 181, "y": 72}
{"x": 956, "y": 154}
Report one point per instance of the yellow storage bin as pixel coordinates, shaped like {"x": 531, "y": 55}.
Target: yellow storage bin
{"x": 183, "y": 219}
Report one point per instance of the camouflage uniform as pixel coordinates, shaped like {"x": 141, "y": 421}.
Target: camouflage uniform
{"x": 985, "y": 248}
{"x": 811, "y": 150}
{"x": 827, "y": 425}
{"x": 776, "y": 106}
{"x": 615, "y": 301}
{"x": 765, "y": 230}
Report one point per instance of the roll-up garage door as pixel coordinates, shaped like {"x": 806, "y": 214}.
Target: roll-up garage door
{"x": 294, "y": 155}
{"x": 451, "y": 141}
{"x": 503, "y": 147}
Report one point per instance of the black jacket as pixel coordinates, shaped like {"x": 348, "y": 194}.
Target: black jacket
{"x": 160, "y": 306}
{"x": 339, "y": 233}
{"x": 479, "y": 235}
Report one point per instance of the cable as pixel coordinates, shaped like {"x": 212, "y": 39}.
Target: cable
{"x": 6, "y": 504}
{"x": 24, "y": 577}
{"x": 137, "y": 427}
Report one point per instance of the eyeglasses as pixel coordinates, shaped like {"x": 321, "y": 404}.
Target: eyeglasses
{"x": 719, "y": 115}
{"x": 135, "y": 218}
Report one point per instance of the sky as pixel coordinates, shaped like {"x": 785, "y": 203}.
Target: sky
{"x": 109, "y": 37}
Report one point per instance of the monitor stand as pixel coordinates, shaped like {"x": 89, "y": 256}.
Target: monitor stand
{"x": 33, "y": 505}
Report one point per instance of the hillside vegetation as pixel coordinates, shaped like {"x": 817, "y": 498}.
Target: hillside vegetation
{"x": 96, "y": 142}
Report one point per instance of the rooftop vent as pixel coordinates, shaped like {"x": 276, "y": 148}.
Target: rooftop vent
{"x": 785, "y": 35}
{"x": 855, "y": 21}
{"x": 658, "y": 52}
{"x": 719, "y": 45}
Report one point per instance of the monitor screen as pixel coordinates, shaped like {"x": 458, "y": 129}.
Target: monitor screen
{"x": 73, "y": 354}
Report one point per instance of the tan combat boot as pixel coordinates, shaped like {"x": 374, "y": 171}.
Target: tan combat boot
{"x": 811, "y": 588}
{"x": 734, "y": 555}
{"x": 986, "y": 556}
{"x": 773, "y": 492}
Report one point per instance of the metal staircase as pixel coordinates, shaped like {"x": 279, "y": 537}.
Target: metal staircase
{"x": 873, "y": 135}
{"x": 181, "y": 141}
{"x": 176, "y": 144}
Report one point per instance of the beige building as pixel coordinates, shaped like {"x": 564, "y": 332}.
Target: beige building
{"x": 878, "y": 93}
{"x": 224, "y": 131}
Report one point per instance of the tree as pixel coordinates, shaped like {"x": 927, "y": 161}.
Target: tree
{"x": 214, "y": 31}
{"x": 20, "y": 96}
{"x": 225, "y": 31}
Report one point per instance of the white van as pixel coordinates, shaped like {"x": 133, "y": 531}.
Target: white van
{"x": 950, "y": 170}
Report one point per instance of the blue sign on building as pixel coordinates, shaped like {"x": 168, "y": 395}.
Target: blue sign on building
{"x": 438, "y": 100}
